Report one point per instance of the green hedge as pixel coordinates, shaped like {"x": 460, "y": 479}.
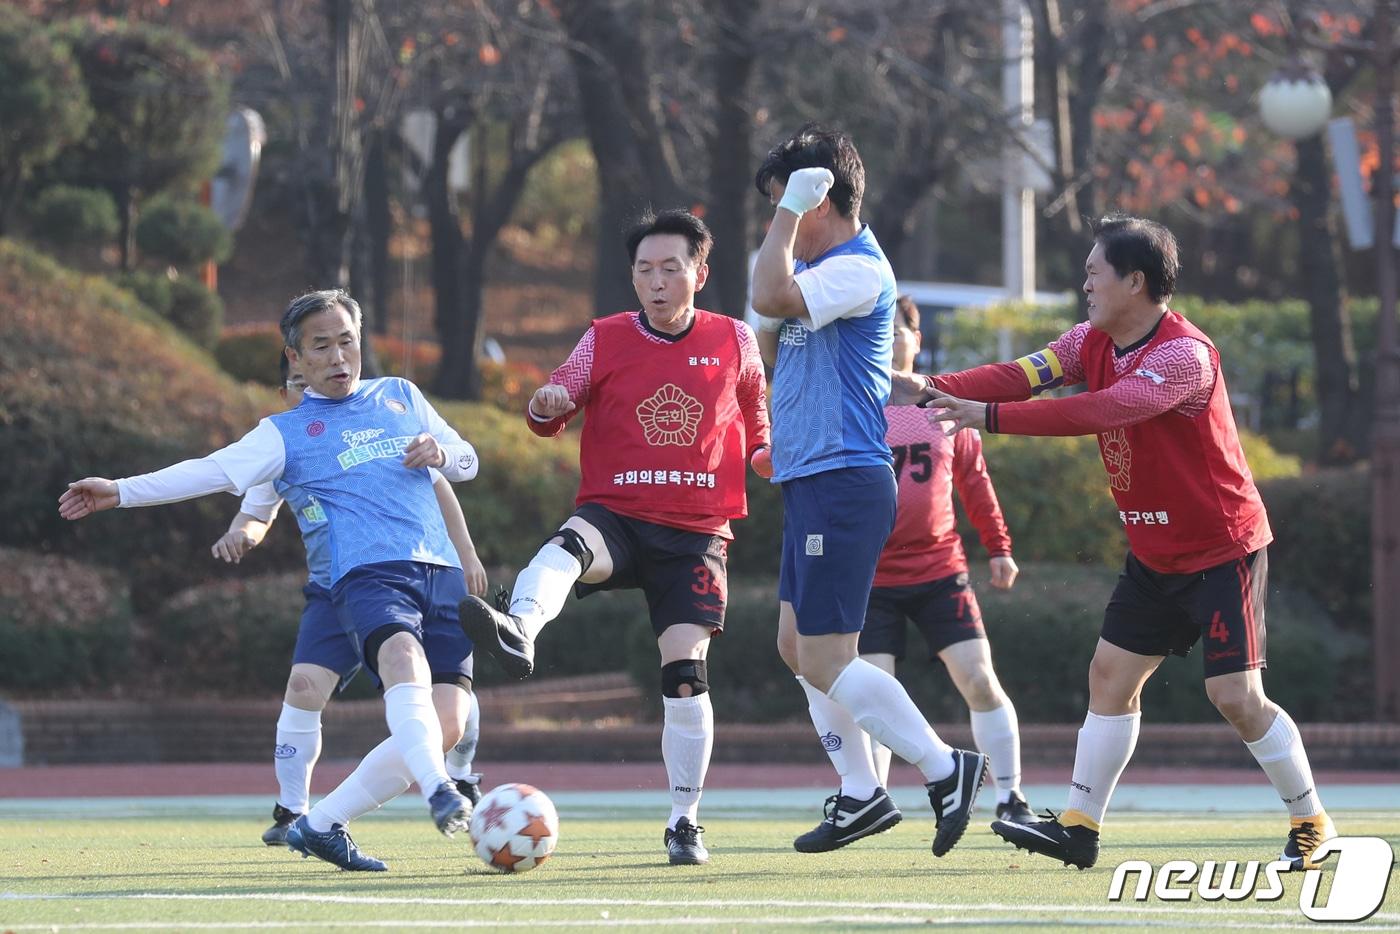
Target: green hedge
{"x": 64, "y": 626}
{"x": 92, "y": 383}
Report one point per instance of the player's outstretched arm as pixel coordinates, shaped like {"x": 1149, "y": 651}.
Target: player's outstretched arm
{"x": 85, "y": 497}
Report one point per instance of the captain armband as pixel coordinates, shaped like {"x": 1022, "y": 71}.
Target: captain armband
{"x": 1043, "y": 370}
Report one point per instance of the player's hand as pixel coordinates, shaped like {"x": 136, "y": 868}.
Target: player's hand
{"x": 958, "y": 413}
{"x": 85, "y": 497}
{"x": 475, "y": 573}
{"x": 233, "y": 545}
{"x": 424, "y": 451}
{"x": 551, "y": 401}
{"x": 806, "y": 188}
{"x": 762, "y": 462}
{"x": 1004, "y": 571}
{"x": 908, "y": 389}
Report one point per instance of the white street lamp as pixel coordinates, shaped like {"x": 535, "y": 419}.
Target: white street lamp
{"x": 1296, "y": 102}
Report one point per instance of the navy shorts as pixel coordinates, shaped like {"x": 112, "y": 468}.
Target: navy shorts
{"x": 944, "y": 611}
{"x": 322, "y": 640}
{"x": 1151, "y": 613}
{"x": 408, "y": 596}
{"x": 834, "y": 526}
{"x": 682, "y": 573}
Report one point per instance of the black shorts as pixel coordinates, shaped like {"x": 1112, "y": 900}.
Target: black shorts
{"x": 1164, "y": 614}
{"x": 944, "y": 610}
{"x": 683, "y": 574}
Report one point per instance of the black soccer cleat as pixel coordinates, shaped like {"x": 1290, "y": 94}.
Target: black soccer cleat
{"x": 1015, "y": 810}
{"x": 499, "y": 635}
{"x": 952, "y": 798}
{"x": 470, "y": 788}
{"x": 1074, "y": 846}
{"x": 276, "y": 835}
{"x": 847, "y": 820}
{"x": 683, "y": 844}
{"x": 333, "y": 846}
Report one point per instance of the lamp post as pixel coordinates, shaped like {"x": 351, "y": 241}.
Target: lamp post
{"x": 1292, "y": 105}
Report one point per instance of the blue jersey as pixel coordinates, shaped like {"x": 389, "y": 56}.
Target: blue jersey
{"x": 343, "y": 467}
{"x": 832, "y": 378}
{"x": 315, "y": 534}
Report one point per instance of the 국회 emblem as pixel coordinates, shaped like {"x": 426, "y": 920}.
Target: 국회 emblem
{"x": 1117, "y": 458}
{"x": 670, "y": 416}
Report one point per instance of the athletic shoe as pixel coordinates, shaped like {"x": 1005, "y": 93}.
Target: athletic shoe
{"x": 334, "y": 846}
{"x": 452, "y": 811}
{"x": 847, "y": 820}
{"x": 470, "y": 788}
{"x": 1074, "y": 846}
{"x": 1015, "y": 810}
{"x": 498, "y": 634}
{"x": 952, "y": 798}
{"x": 683, "y": 844}
{"x": 1306, "y": 835}
{"x": 276, "y": 835}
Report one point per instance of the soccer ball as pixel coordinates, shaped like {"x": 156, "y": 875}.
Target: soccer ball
{"x": 514, "y": 827}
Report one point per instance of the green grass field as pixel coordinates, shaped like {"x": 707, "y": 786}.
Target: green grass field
{"x": 179, "y": 868}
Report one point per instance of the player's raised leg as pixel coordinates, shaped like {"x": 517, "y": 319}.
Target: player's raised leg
{"x": 1106, "y": 743}
{"x": 507, "y": 633}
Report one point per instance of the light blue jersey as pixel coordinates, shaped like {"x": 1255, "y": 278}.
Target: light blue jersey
{"x": 832, "y": 378}
{"x": 315, "y": 534}
{"x": 343, "y": 463}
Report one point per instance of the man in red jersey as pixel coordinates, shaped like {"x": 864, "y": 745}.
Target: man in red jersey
{"x": 676, "y": 407}
{"x": 922, "y": 577}
{"x": 1196, "y": 567}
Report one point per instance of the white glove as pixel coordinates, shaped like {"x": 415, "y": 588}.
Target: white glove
{"x": 805, "y": 190}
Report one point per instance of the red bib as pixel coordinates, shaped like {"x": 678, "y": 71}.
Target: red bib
{"x": 1184, "y": 491}
{"x": 663, "y": 435}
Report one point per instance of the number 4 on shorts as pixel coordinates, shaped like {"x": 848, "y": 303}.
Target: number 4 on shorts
{"x": 1218, "y": 630}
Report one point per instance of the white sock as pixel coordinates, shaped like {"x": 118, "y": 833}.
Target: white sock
{"x": 380, "y": 777}
{"x": 1105, "y": 746}
{"x": 544, "y": 585}
{"x": 1282, "y": 757}
{"x": 686, "y": 740}
{"x": 417, "y": 734}
{"x": 882, "y": 707}
{"x": 997, "y": 736}
{"x": 459, "y": 757}
{"x": 298, "y": 748}
{"x": 846, "y": 744}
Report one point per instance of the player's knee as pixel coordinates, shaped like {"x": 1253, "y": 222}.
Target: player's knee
{"x": 981, "y": 690}
{"x": 572, "y": 542}
{"x": 787, "y": 650}
{"x": 685, "y": 678}
{"x": 1235, "y": 702}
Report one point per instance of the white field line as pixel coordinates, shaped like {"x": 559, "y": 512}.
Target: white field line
{"x": 1199, "y": 911}
{"x": 788, "y": 921}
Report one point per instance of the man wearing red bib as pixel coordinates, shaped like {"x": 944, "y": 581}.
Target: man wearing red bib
{"x": 1197, "y": 566}
{"x": 676, "y": 407}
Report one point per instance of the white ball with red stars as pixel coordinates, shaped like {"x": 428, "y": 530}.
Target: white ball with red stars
{"x": 514, "y": 827}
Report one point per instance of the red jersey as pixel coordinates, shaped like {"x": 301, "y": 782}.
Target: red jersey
{"x": 671, "y": 422}
{"x": 1166, "y": 434}
{"x": 925, "y": 544}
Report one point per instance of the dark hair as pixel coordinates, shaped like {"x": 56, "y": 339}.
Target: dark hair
{"x": 1132, "y": 244}
{"x": 675, "y": 221}
{"x": 284, "y": 367}
{"x": 906, "y": 312}
{"x": 310, "y": 303}
{"x": 816, "y": 146}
